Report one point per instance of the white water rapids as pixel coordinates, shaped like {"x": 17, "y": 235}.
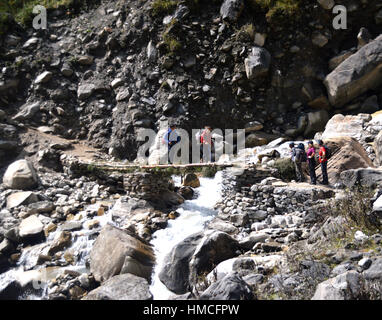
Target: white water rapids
{"x": 194, "y": 214}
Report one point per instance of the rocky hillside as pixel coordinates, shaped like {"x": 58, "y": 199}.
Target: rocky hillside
{"x": 104, "y": 69}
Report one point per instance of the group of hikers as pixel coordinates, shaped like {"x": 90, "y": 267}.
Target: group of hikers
{"x": 203, "y": 137}
{"x": 299, "y": 156}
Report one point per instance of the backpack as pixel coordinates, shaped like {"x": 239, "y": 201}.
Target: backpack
{"x": 299, "y": 155}
{"x": 328, "y": 152}
{"x": 302, "y": 157}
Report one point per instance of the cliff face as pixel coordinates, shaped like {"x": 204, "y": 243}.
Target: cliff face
{"x": 102, "y": 73}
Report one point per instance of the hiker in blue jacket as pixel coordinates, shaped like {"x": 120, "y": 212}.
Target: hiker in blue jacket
{"x": 171, "y": 138}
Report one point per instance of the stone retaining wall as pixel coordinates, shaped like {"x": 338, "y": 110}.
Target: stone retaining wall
{"x": 145, "y": 185}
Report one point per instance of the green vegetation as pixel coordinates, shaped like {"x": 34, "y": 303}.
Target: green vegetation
{"x": 173, "y": 44}
{"x": 163, "y": 7}
{"x": 286, "y": 168}
{"x": 246, "y": 33}
{"x": 279, "y": 9}
{"x": 356, "y": 208}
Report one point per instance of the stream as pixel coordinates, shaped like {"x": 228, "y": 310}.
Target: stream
{"x": 194, "y": 214}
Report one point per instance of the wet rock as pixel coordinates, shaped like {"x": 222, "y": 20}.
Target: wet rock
{"x": 176, "y": 271}
{"x": 71, "y": 226}
{"x": 63, "y": 241}
{"x": 191, "y": 180}
{"x": 186, "y": 192}
{"x": 356, "y": 74}
{"x": 21, "y": 198}
{"x": 20, "y": 175}
{"x": 111, "y": 249}
{"x": 122, "y": 287}
{"x": 231, "y": 287}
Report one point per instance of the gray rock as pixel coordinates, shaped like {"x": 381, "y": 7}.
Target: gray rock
{"x": 357, "y": 74}
{"x": 85, "y": 60}
{"x": 231, "y": 10}
{"x": 363, "y": 37}
{"x": 319, "y": 39}
{"x": 85, "y": 91}
{"x": 27, "y": 111}
{"x": 231, "y": 287}
{"x": 365, "y": 263}
{"x": 44, "y": 77}
{"x": 176, "y": 271}
{"x": 343, "y": 287}
{"x": 30, "y": 227}
{"x": 71, "y": 226}
{"x": 20, "y": 175}
{"x": 375, "y": 271}
{"x": 41, "y": 207}
{"x": 21, "y": 198}
{"x": 316, "y": 122}
{"x": 151, "y": 52}
{"x": 257, "y": 63}
{"x": 110, "y": 250}
{"x": 122, "y": 287}
{"x": 367, "y": 177}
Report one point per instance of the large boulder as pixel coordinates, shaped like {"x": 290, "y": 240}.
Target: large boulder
{"x": 20, "y": 175}
{"x": 175, "y": 272}
{"x": 115, "y": 250}
{"x": 356, "y": 75}
{"x": 347, "y": 126}
{"x": 343, "y": 287}
{"x": 231, "y": 287}
{"x": 259, "y": 139}
{"x": 347, "y": 153}
{"x": 122, "y": 287}
{"x": 366, "y": 177}
{"x": 257, "y": 63}
{"x": 196, "y": 254}
{"x": 231, "y": 10}
{"x": 374, "y": 273}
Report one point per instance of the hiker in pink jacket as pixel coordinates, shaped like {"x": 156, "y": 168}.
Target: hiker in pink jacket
{"x": 311, "y": 153}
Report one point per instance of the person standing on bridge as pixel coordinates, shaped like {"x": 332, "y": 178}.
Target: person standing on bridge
{"x": 171, "y": 138}
{"x": 206, "y": 141}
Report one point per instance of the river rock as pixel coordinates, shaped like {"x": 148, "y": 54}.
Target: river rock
{"x": 122, "y": 287}
{"x": 41, "y": 207}
{"x": 191, "y": 180}
{"x": 110, "y": 250}
{"x": 20, "y": 175}
{"x": 231, "y": 287}
{"x": 61, "y": 242}
{"x": 85, "y": 91}
{"x": 357, "y": 74}
{"x": 21, "y": 198}
{"x": 31, "y": 227}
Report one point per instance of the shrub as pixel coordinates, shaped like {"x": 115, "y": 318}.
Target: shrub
{"x": 286, "y": 169}
{"x": 279, "y": 9}
{"x": 163, "y": 7}
{"x": 356, "y": 208}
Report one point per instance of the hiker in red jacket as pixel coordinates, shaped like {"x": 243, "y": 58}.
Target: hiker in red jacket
{"x": 324, "y": 162}
{"x": 206, "y": 141}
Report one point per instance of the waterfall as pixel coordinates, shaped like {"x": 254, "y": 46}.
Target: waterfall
{"x": 194, "y": 214}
